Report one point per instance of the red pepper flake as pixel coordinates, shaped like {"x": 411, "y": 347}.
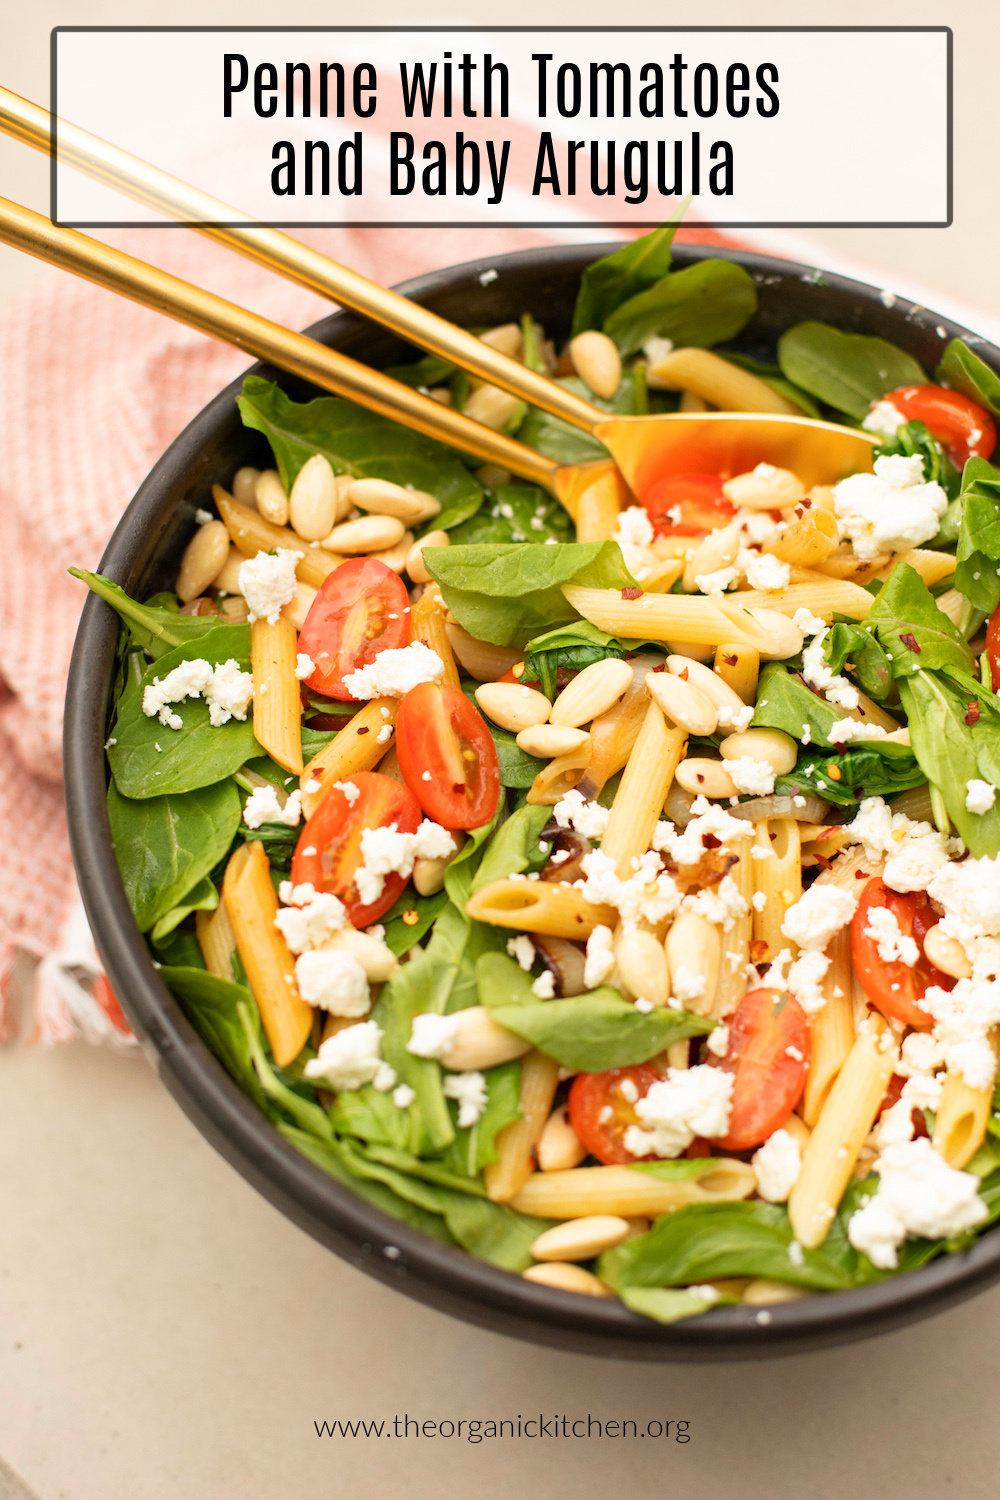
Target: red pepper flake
{"x": 633, "y": 593}
{"x": 972, "y": 716}
{"x": 730, "y": 661}
{"x": 364, "y": 729}
{"x": 710, "y": 841}
{"x": 910, "y": 641}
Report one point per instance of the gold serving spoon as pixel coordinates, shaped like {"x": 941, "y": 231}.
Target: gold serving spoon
{"x": 725, "y": 443}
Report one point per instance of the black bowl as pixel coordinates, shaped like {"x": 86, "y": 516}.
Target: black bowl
{"x": 142, "y": 556}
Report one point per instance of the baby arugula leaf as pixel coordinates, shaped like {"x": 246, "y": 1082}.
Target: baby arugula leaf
{"x": 851, "y": 645}
{"x": 702, "y": 305}
{"x": 507, "y": 594}
{"x": 514, "y": 847}
{"x": 153, "y": 628}
{"x": 913, "y": 630}
{"x": 846, "y": 370}
{"x": 566, "y": 444}
{"x": 211, "y": 1005}
{"x": 912, "y": 440}
{"x": 502, "y": 981}
{"x": 492, "y": 1231}
{"x": 847, "y": 778}
{"x": 201, "y": 897}
{"x": 593, "y": 1032}
{"x": 166, "y": 845}
{"x": 609, "y": 282}
{"x": 978, "y": 553}
{"x": 966, "y": 372}
{"x": 955, "y": 733}
{"x": 784, "y": 702}
{"x": 359, "y": 443}
{"x": 515, "y": 513}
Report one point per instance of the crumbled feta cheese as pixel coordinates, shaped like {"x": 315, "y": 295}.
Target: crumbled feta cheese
{"x": 304, "y": 666}
{"x": 979, "y": 796}
{"x": 432, "y": 1035}
{"x": 311, "y": 925}
{"x": 262, "y": 806}
{"x": 469, "y": 1089}
{"x": 820, "y": 912}
{"x": 918, "y": 1193}
{"x": 384, "y": 735}
{"x": 574, "y": 811}
{"x": 403, "y": 1096}
{"x": 228, "y": 693}
{"x": 297, "y": 895}
{"x": 643, "y": 1006}
{"x": 749, "y": 775}
{"x": 393, "y": 673}
{"x": 710, "y": 827}
{"x": 893, "y": 945}
{"x": 312, "y": 786}
{"x": 963, "y": 1018}
{"x": 350, "y": 1058}
{"x": 386, "y": 851}
{"x": 805, "y": 980}
{"x": 634, "y": 527}
{"x": 891, "y": 510}
{"x": 523, "y": 949}
{"x": 758, "y": 900}
{"x": 688, "y": 1102}
{"x": 628, "y": 1090}
{"x": 777, "y": 1164}
{"x": 349, "y": 789}
{"x": 808, "y": 623}
{"x": 600, "y": 958}
{"x": 717, "y": 582}
{"x": 649, "y": 893}
{"x": 915, "y": 852}
{"x": 846, "y": 731}
{"x": 764, "y": 571}
{"x": 718, "y": 1041}
{"x": 884, "y": 419}
{"x": 189, "y": 679}
{"x": 722, "y": 904}
{"x": 486, "y": 277}
{"x": 657, "y": 348}
{"x": 267, "y": 582}
{"x": 818, "y": 675}
{"x": 332, "y": 979}
{"x": 202, "y": 517}
{"x": 735, "y": 719}
{"x": 544, "y": 986}
{"x": 686, "y": 985}
{"x": 756, "y": 526}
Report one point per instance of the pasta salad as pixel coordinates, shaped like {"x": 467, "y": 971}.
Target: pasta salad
{"x": 622, "y": 906}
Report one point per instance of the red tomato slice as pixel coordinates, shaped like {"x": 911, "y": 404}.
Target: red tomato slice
{"x": 328, "y": 852}
{"x": 447, "y": 756}
{"x": 592, "y": 1095}
{"x": 687, "y": 504}
{"x": 962, "y": 427}
{"x": 894, "y": 987}
{"x": 993, "y": 648}
{"x": 359, "y": 611}
{"x": 769, "y": 1050}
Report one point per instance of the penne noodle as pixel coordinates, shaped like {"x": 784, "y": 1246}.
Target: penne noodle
{"x": 839, "y": 1133}
{"x": 251, "y": 905}
{"x": 736, "y": 942}
{"x": 557, "y": 910}
{"x": 849, "y": 869}
{"x": 846, "y": 565}
{"x": 612, "y": 736}
{"x": 561, "y": 774}
{"x": 933, "y": 567}
{"x": 797, "y": 1129}
{"x": 251, "y": 533}
{"x": 831, "y": 1028}
{"x": 824, "y": 598}
{"x": 953, "y": 603}
{"x": 427, "y": 624}
{"x": 216, "y": 941}
{"x": 277, "y": 701}
{"x": 598, "y": 508}
{"x": 639, "y": 800}
{"x": 660, "y": 617}
{"x": 962, "y": 1116}
{"x": 581, "y": 1191}
{"x": 357, "y": 747}
{"x": 915, "y": 804}
{"x": 718, "y": 382}
{"x": 778, "y": 879}
{"x": 739, "y": 668}
{"x": 807, "y": 541}
{"x": 517, "y": 1142}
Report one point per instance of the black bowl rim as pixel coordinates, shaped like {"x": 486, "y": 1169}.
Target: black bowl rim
{"x": 401, "y": 1256}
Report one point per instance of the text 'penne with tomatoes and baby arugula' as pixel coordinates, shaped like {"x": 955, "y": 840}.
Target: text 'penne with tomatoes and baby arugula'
{"x": 619, "y": 904}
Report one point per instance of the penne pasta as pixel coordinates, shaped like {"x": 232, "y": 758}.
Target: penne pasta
{"x": 736, "y": 942}
{"x": 797, "y": 1129}
{"x": 739, "y": 668}
{"x": 539, "y": 906}
{"x": 686, "y": 618}
{"x": 823, "y": 597}
{"x": 778, "y": 879}
{"x": 724, "y": 385}
{"x": 961, "y": 1118}
{"x": 357, "y": 747}
{"x": 831, "y": 1028}
{"x": 639, "y": 800}
{"x": 581, "y": 1191}
{"x": 598, "y": 508}
{"x": 612, "y": 736}
{"x": 915, "y": 804}
{"x": 933, "y": 567}
{"x": 517, "y": 1142}
{"x": 807, "y": 541}
{"x": 952, "y": 603}
{"x": 840, "y": 1130}
{"x": 216, "y": 941}
{"x": 277, "y": 701}
{"x": 251, "y": 533}
{"x": 427, "y": 624}
{"x": 251, "y": 905}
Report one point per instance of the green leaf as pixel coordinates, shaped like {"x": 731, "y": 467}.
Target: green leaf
{"x": 952, "y": 752}
{"x": 371, "y": 1116}
{"x": 211, "y": 1005}
{"x": 771, "y": 375}
{"x": 862, "y": 772}
{"x": 514, "y": 847}
{"x": 571, "y": 647}
{"x": 492, "y": 1231}
{"x": 913, "y": 440}
{"x": 401, "y": 936}
{"x": 852, "y": 644}
{"x": 507, "y": 594}
{"x": 429, "y": 1171}
{"x": 566, "y": 444}
{"x": 914, "y": 632}
{"x": 153, "y": 628}
{"x": 199, "y": 753}
{"x": 593, "y": 1032}
{"x": 966, "y": 372}
{"x": 515, "y": 513}
{"x": 668, "y": 1304}
{"x": 979, "y": 536}
{"x": 609, "y": 282}
{"x": 359, "y": 443}
{"x": 502, "y": 981}
{"x": 846, "y": 370}
{"x": 784, "y": 702}
{"x": 518, "y": 769}
{"x": 474, "y": 1146}
{"x": 201, "y": 897}
{"x": 702, "y": 305}
{"x": 305, "y": 1113}
{"x": 166, "y": 845}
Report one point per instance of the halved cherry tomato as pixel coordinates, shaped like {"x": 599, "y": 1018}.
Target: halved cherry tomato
{"x": 359, "y": 611}
{"x": 600, "y": 1113}
{"x": 769, "y": 1049}
{"x": 993, "y": 649}
{"x": 894, "y": 987}
{"x": 328, "y": 852}
{"x": 962, "y": 427}
{"x": 696, "y": 500}
{"x": 447, "y": 756}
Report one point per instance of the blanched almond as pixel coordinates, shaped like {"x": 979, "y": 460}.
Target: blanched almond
{"x": 272, "y": 502}
{"x": 682, "y": 703}
{"x": 312, "y": 504}
{"x": 203, "y": 560}
{"x": 370, "y": 534}
{"x": 946, "y": 954}
{"x": 491, "y": 406}
{"x": 769, "y": 747}
{"x": 642, "y": 965}
{"x": 378, "y": 961}
{"x": 559, "y": 1147}
{"x": 549, "y": 740}
{"x": 597, "y": 362}
{"x": 511, "y": 705}
{"x": 593, "y": 692}
{"x": 505, "y": 337}
{"x": 567, "y": 1278}
{"x": 383, "y": 498}
{"x": 581, "y": 1239}
{"x": 415, "y": 561}
{"x": 693, "y": 947}
{"x": 764, "y": 488}
{"x": 395, "y": 557}
{"x": 244, "y": 485}
{"x": 480, "y": 1042}
{"x": 697, "y": 675}
{"x": 227, "y": 580}
{"x": 704, "y": 777}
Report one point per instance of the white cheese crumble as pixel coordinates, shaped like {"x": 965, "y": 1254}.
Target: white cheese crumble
{"x": 393, "y": 673}
{"x": 915, "y": 852}
{"x": 635, "y": 528}
{"x": 588, "y": 818}
{"x": 722, "y": 904}
{"x": 884, "y": 419}
{"x": 267, "y": 582}
{"x": 735, "y": 719}
{"x": 312, "y": 924}
{"x": 687, "y": 847}
{"x": 688, "y": 1102}
{"x": 432, "y": 1035}
{"x": 649, "y": 893}
{"x": 818, "y": 675}
{"x": 600, "y": 959}
{"x": 846, "y": 731}
{"x": 777, "y": 1164}
{"x": 918, "y": 1193}
{"x": 686, "y": 985}
{"x": 891, "y": 510}
{"x": 350, "y": 1058}
{"x": 764, "y": 571}
{"x": 403, "y": 1096}
{"x": 262, "y": 806}
{"x": 333, "y": 980}
{"x": 349, "y": 789}
{"x": 717, "y": 582}
{"x": 226, "y": 689}
{"x": 893, "y": 945}
{"x": 805, "y": 980}
{"x": 386, "y": 851}
{"x": 522, "y": 949}
{"x": 469, "y": 1090}
{"x": 979, "y": 796}
{"x": 718, "y": 1041}
{"x": 819, "y": 913}
{"x": 749, "y": 775}
{"x": 304, "y": 666}
{"x": 544, "y": 986}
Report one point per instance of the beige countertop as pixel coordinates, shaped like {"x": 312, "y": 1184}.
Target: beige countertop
{"x": 166, "y": 1334}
